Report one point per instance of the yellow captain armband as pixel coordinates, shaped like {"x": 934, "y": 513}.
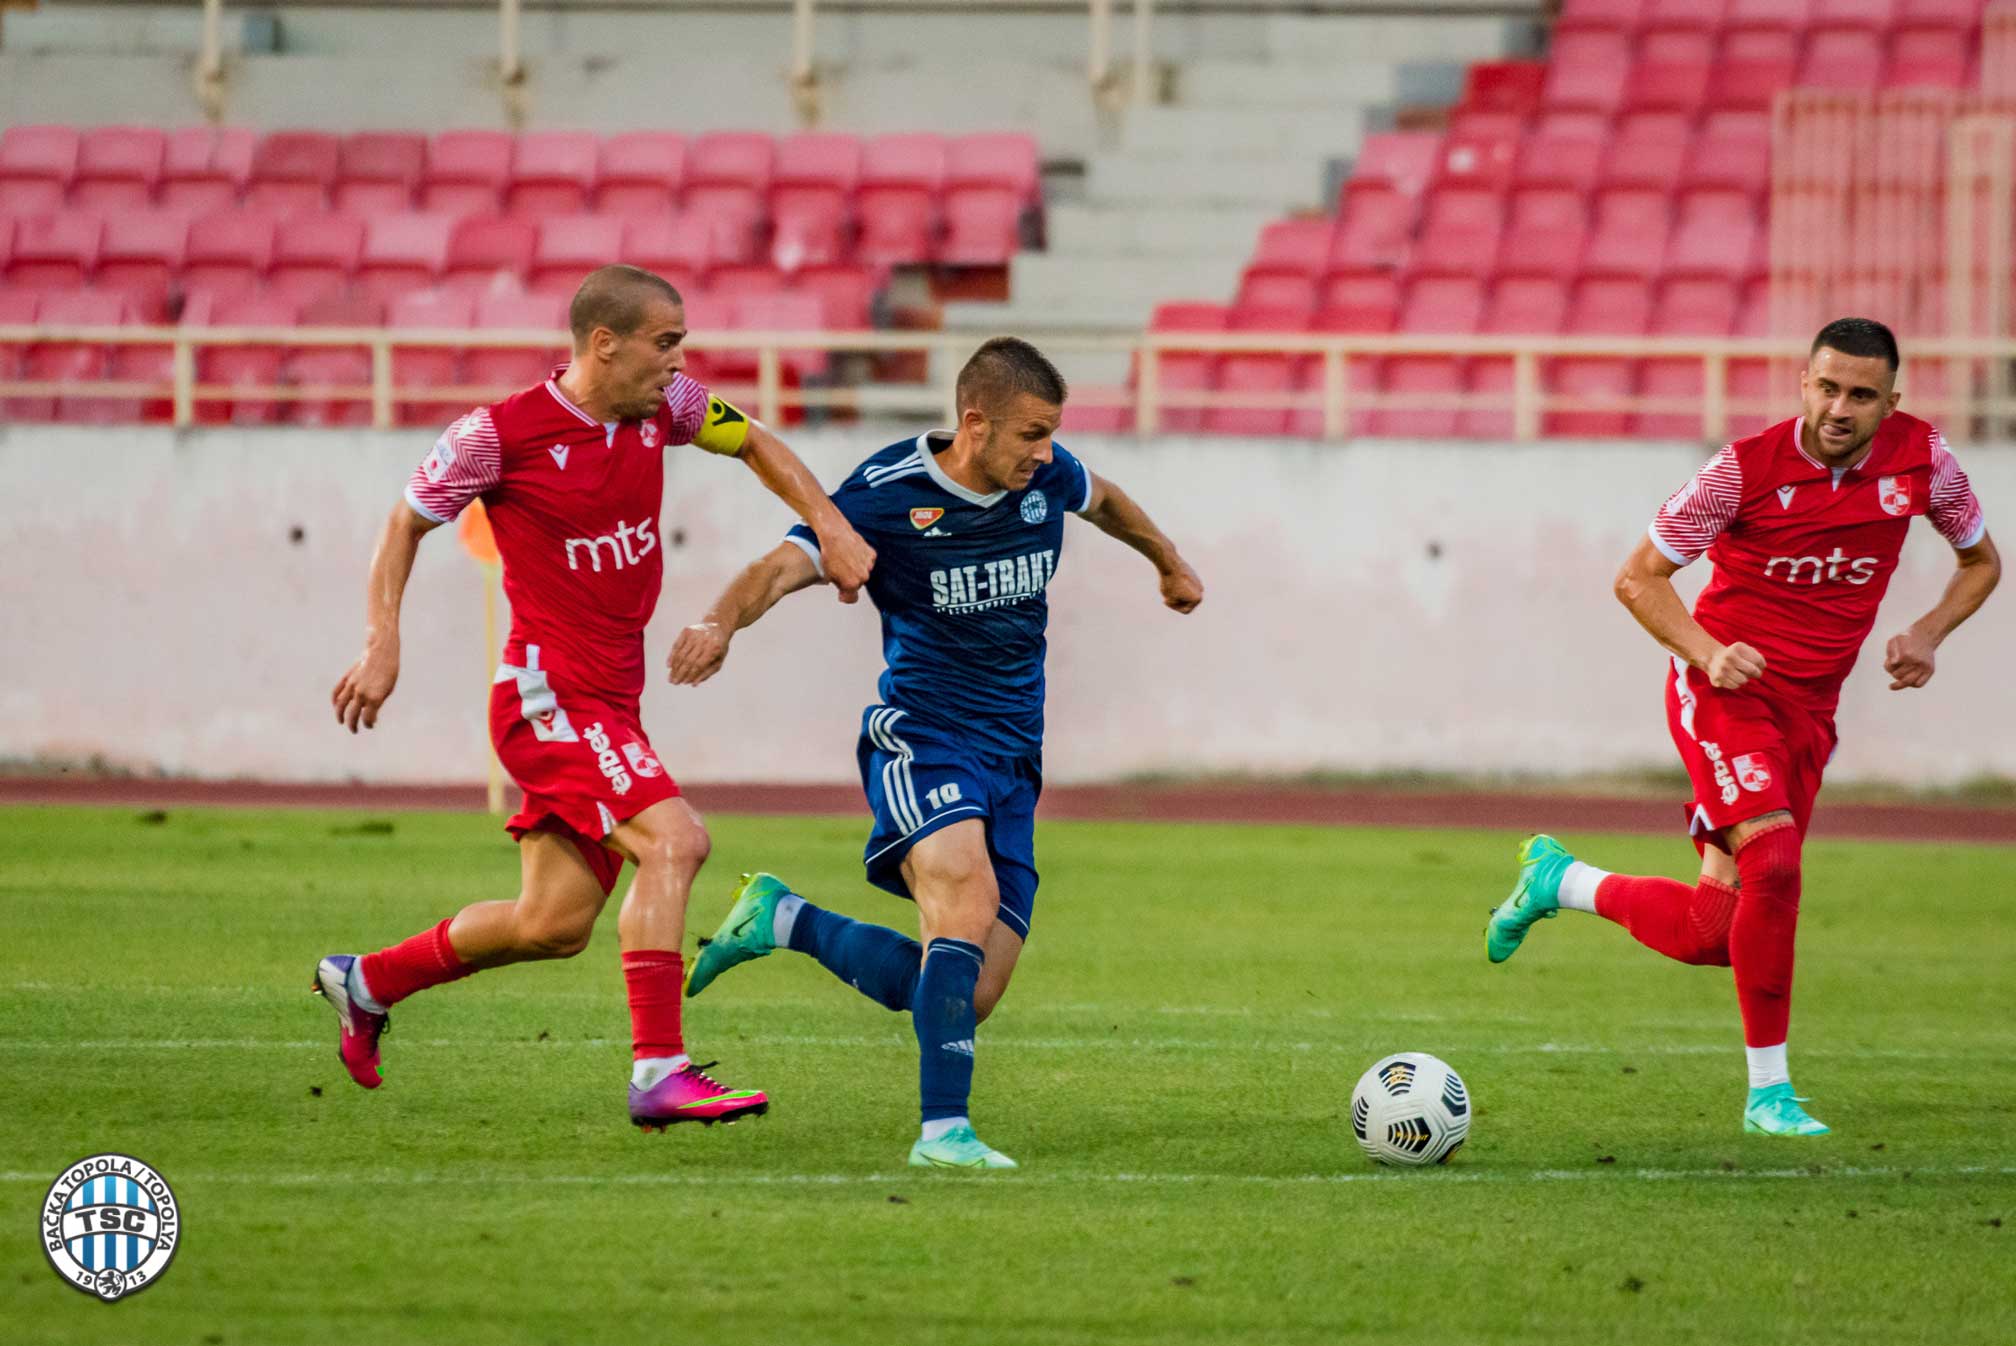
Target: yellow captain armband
{"x": 724, "y": 430}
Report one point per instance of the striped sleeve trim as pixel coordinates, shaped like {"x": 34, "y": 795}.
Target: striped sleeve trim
{"x": 688, "y": 401}
{"x": 465, "y": 462}
{"x": 1696, "y": 514}
{"x": 1955, "y": 510}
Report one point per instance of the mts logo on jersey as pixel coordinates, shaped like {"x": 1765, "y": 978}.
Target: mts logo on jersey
{"x": 622, "y": 552}
{"x": 1812, "y": 569}
{"x": 971, "y": 588}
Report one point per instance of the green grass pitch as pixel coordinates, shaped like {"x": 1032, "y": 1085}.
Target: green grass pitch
{"x": 1172, "y": 1068}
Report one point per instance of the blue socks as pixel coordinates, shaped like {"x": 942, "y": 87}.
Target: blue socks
{"x": 944, "y": 1020}
{"x": 873, "y": 959}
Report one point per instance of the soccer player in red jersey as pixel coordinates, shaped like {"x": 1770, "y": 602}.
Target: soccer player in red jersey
{"x": 572, "y": 472}
{"x": 1804, "y": 524}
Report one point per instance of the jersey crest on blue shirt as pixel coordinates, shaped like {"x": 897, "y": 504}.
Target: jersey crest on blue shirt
{"x": 961, "y": 582}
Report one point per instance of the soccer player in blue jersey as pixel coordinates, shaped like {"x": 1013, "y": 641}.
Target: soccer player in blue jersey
{"x": 967, "y": 526}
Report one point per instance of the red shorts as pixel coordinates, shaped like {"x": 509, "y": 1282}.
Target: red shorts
{"x": 1746, "y": 753}
{"x": 583, "y": 763}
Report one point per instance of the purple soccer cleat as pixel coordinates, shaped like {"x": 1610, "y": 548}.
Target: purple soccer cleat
{"x": 689, "y": 1095}
{"x": 357, "y": 1047}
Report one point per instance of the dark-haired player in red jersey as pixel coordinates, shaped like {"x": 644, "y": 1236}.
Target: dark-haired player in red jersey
{"x": 1804, "y": 523}
{"x": 572, "y": 472}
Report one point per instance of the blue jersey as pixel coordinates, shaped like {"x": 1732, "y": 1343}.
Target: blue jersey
{"x": 960, "y": 581}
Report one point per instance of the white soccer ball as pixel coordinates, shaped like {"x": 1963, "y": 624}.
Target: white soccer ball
{"x": 1410, "y": 1108}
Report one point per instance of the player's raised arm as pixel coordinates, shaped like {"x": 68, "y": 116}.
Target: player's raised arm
{"x": 701, "y": 648}
{"x": 1116, "y": 514}
{"x": 369, "y": 681}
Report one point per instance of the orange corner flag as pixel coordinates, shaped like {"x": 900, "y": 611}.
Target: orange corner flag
{"x": 477, "y": 539}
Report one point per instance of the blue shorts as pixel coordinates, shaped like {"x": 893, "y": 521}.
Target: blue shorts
{"x": 920, "y": 778}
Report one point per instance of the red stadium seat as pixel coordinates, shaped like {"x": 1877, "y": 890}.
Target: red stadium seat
{"x": 1605, "y": 306}
{"x": 1442, "y": 304}
{"x": 569, "y": 248}
{"x": 1294, "y": 247}
{"x": 1373, "y": 227}
{"x": 1005, "y": 160}
{"x": 427, "y": 367}
{"x": 6, "y": 243}
{"x": 246, "y": 367}
{"x": 640, "y": 173}
{"x": 315, "y": 255}
{"x": 847, "y": 291}
{"x": 676, "y": 247}
{"x": 1257, "y": 373}
{"x": 1933, "y": 58}
{"x": 117, "y": 167}
{"x": 36, "y": 166}
{"x": 552, "y": 173}
{"x": 54, "y": 252}
{"x": 403, "y": 253}
{"x": 334, "y": 366}
{"x": 376, "y": 172}
{"x": 1358, "y": 301}
{"x": 983, "y": 226}
{"x": 1686, "y": 307}
{"x": 489, "y": 255}
{"x": 728, "y": 184}
{"x": 17, "y": 309}
{"x": 1564, "y": 150}
{"x": 1672, "y": 70}
{"x": 1754, "y": 64}
{"x": 1438, "y": 304}
{"x": 1872, "y": 14}
{"x": 139, "y": 257}
{"x": 1733, "y": 150}
{"x": 1588, "y": 69}
{"x": 1505, "y": 86}
{"x": 1185, "y": 371}
{"x": 507, "y": 371}
{"x": 829, "y": 159}
{"x": 899, "y": 225}
{"x": 1480, "y": 154}
{"x": 1945, "y": 13}
{"x": 810, "y": 198}
{"x": 1628, "y": 233}
{"x": 1705, "y": 15}
{"x": 1460, "y": 228}
{"x": 1788, "y": 14}
{"x": 1482, "y": 123}
{"x": 229, "y": 254}
{"x": 1715, "y": 234}
{"x": 1276, "y": 290}
{"x": 1361, "y": 382}
{"x": 203, "y": 170}
{"x": 733, "y": 283}
{"x": 785, "y": 312}
{"x": 1519, "y": 306}
{"x": 466, "y": 172}
{"x": 1842, "y": 58}
{"x": 1619, "y": 14}
{"x": 292, "y": 172}
{"x": 904, "y": 160}
{"x": 1649, "y": 150}
{"x": 1402, "y": 160}
{"x": 1546, "y": 229}
{"x": 73, "y": 362}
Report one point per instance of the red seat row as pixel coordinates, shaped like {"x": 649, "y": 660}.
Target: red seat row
{"x": 1710, "y": 14}
{"x": 159, "y": 260}
{"x": 894, "y": 199}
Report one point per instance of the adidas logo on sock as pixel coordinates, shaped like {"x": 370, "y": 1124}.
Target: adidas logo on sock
{"x": 963, "y": 1046}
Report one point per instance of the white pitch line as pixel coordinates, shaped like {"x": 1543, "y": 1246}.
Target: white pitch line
{"x": 1455, "y": 1175}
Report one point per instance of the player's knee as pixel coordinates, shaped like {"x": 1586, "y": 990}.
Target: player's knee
{"x": 680, "y": 842}
{"x": 553, "y": 936}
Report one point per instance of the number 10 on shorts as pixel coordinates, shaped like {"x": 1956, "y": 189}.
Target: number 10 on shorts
{"x": 943, "y": 795}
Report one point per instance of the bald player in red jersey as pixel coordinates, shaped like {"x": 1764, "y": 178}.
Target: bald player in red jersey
{"x": 572, "y": 472}
{"x": 1804, "y": 524}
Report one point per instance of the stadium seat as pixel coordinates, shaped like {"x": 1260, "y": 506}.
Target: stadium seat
{"x": 1504, "y": 86}
{"x": 1358, "y": 301}
{"x": 428, "y": 367}
{"x": 1277, "y": 290}
{"x": 376, "y": 172}
{"x": 1005, "y": 160}
{"x": 292, "y": 172}
{"x": 1704, "y": 15}
{"x": 901, "y": 178}
{"x": 1752, "y": 66}
{"x": 203, "y": 169}
{"x": 1613, "y": 306}
{"x": 1875, "y": 15}
{"x": 333, "y": 366}
{"x": 1402, "y": 160}
{"x": 983, "y": 226}
{"x": 1519, "y": 306}
{"x": 117, "y": 167}
{"x": 506, "y": 371}
{"x": 1546, "y": 229}
{"x": 1448, "y": 304}
{"x": 1484, "y": 123}
{"x": 1480, "y": 153}
{"x": 1628, "y": 232}
{"x": 139, "y": 257}
{"x": 1256, "y": 373}
{"x": 1687, "y": 307}
{"x": 847, "y": 291}
{"x": 1294, "y": 247}
{"x": 728, "y": 184}
{"x": 1941, "y": 13}
{"x": 36, "y": 166}
{"x": 1929, "y": 58}
{"x": 1733, "y": 150}
{"x": 1587, "y": 69}
{"x": 731, "y": 283}
{"x": 245, "y": 367}
{"x": 640, "y": 173}
{"x": 1842, "y": 58}
{"x": 1672, "y": 70}
{"x": 1618, "y": 14}
{"x": 1648, "y": 150}
{"x": 571, "y": 246}
{"x": 1361, "y": 383}
{"x": 403, "y": 253}
{"x": 489, "y": 255}
{"x": 1791, "y": 15}
{"x": 228, "y": 254}
{"x": 17, "y": 309}
{"x": 1185, "y": 371}
{"x": 315, "y": 255}
{"x": 466, "y": 172}
{"x": 1373, "y": 227}
{"x": 54, "y": 252}
{"x": 552, "y": 173}
{"x": 73, "y": 362}
{"x": 1715, "y": 233}
{"x": 6, "y": 243}
{"x": 674, "y": 246}
{"x": 1563, "y": 150}
{"x": 1460, "y": 228}
{"x": 782, "y": 312}
{"x": 811, "y": 197}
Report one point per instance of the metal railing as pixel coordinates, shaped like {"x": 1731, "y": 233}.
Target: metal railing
{"x": 1960, "y": 382}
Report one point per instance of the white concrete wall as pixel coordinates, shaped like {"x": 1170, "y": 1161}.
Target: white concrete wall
{"x": 1383, "y": 605}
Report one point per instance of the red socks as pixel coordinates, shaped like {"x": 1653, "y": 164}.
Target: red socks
{"x": 1760, "y": 939}
{"x": 656, "y": 978}
{"x": 425, "y": 960}
{"x": 1690, "y": 924}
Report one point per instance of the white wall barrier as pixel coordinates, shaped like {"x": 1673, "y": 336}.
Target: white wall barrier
{"x": 185, "y": 602}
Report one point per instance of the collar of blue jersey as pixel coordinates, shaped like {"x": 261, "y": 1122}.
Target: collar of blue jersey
{"x": 938, "y": 473}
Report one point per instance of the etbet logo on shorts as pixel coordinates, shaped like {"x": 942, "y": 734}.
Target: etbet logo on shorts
{"x": 607, "y": 758}
{"x": 1724, "y": 781}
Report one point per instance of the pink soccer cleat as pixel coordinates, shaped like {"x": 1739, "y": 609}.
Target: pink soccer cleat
{"x": 689, "y": 1095}
{"x": 357, "y": 1047}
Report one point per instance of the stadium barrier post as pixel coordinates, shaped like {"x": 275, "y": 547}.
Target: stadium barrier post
{"x": 1099, "y": 57}
{"x": 1144, "y": 11}
{"x": 769, "y": 385}
{"x": 381, "y": 383}
{"x": 509, "y": 64}
{"x": 1525, "y": 395}
{"x": 1715, "y": 397}
{"x": 1335, "y": 393}
{"x": 1146, "y": 412}
{"x": 184, "y": 356}
{"x": 804, "y": 70}
{"x": 210, "y": 66}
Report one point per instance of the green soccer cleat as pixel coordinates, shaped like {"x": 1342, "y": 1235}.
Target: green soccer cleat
{"x": 1542, "y": 862}
{"x": 1775, "y": 1111}
{"x": 957, "y": 1148}
{"x": 747, "y": 932}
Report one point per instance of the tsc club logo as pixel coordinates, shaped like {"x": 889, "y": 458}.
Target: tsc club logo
{"x": 110, "y": 1225}
{"x": 1035, "y": 507}
{"x": 1894, "y": 494}
{"x": 924, "y": 518}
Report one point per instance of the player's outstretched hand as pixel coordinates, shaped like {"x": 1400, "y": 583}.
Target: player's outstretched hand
{"x": 697, "y": 655}
{"x": 847, "y": 557}
{"x": 1181, "y": 589}
{"x": 1733, "y": 665}
{"x": 1908, "y": 660}
{"x": 365, "y": 688}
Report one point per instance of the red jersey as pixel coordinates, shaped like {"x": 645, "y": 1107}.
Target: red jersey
{"x": 574, "y": 504}
{"x": 1803, "y": 552}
